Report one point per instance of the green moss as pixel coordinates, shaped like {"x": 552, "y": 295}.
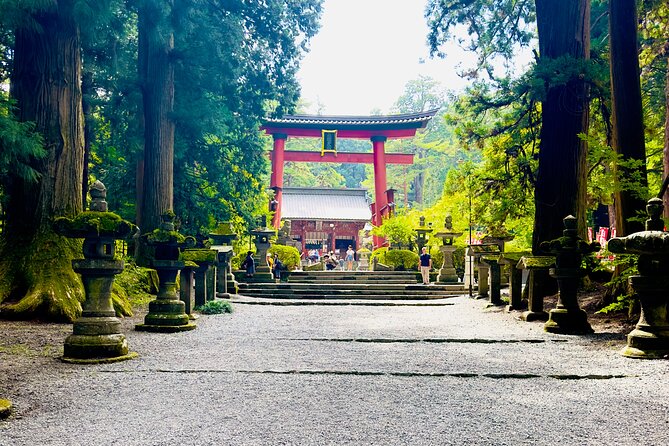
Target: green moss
{"x": 38, "y": 280}
{"x": 538, "y": 262}
{"x": 514, "y": 256}
{"x": 163, "y": 236}
{"x": 94, "y": 223}
{"x": 198, "y": 255}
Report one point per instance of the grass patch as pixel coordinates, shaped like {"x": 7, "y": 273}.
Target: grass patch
{"x": 217, "y": 306}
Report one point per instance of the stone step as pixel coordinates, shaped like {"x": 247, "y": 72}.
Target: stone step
{"x": 344, "y": 297}
{"x": 345, "y": 293}
{"x": 352, "y": 286}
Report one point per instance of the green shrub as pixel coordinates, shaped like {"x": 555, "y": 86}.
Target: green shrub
{"x": 397, "y": 259}
{"x": 217, "y": 306}
{"x": 288, "y": 255}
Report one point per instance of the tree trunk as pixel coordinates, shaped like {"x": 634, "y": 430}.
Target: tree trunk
{"x": 627, "y": 116}
{"x": 87, "y": 93}
{"x": 666, "y": 139}
{"x": 36, "y": 275}
{"x": 564, "y": 30}
{"x": 156, "y": 70}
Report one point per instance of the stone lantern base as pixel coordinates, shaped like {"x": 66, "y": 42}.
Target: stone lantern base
{"x": 568, "y": 321}
{"x": 167, "y": 314}
{"x": 447, "y": 273}
{"x": 96, "y": 336}
{"x": 650, "y": 337}
{"x": 645, "y": 344}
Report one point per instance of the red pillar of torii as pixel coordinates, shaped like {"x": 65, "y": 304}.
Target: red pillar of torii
{"x": 378, "y": 129}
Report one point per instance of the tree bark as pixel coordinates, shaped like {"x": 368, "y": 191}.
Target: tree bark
{"x": 564, "y": 30}
{"x": 665, "y": 162}
{"x": 627, "y": 115}
{"x": 37, "y": 278}
{"x": 156, "y": 69}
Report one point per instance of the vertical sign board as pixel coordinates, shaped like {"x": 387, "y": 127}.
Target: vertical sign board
{"x": 329, "y": 142}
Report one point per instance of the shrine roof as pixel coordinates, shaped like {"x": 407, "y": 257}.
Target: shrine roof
{"x": 305, "y": 203}
{"x": 399, "y": 125}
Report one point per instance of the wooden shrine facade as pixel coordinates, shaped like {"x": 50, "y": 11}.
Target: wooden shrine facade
{"x": 378, "y": 129}
{"x": 325, "y": 219}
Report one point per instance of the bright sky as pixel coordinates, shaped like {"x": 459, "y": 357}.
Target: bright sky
{"x": 365, "y": 53}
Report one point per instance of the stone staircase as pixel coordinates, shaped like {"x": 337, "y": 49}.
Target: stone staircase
{"x": 358, "y": 285}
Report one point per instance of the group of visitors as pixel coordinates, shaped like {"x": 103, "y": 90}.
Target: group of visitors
{"x": 331, "y": 262}
{"x": 346, "y": 264}
{"x": 274, "y": 263}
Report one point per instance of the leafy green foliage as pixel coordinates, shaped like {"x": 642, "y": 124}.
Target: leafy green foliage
{"x": 20, "y": 145}
{"x": 494, "y": 28}
{"x": 288, "y": 255}
{"x": 397, "y": 230}
{"x": 216, "y": 306}
{"x": 398, "y": 259}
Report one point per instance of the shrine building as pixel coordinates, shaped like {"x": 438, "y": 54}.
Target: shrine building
{"x": 326, "y": 219}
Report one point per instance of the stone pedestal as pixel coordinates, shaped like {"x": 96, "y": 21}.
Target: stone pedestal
{"x": 510, "y": 260}
{"x": 567, "y": 317}
{"x": 536, "y": 265}
{"x": 483, "y": 280}
{"x": 447, "y": 273}
{"x": 470, "y": 267}
{"x": 363, "y": 263}
{"x": 494, "y": 274}
{"x": 187, "y": 288}
{"x": 167, "y": 314}
{"x": 650, "y": 337}
{"x": 96, "y": 335}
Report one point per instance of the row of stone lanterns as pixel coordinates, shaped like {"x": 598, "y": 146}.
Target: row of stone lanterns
{"x": 97, "y": 336}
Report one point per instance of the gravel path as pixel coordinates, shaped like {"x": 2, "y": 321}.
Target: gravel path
{"x": 337, "y": 375}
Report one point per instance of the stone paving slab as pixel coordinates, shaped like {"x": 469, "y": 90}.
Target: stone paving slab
{"x": 346, "y": 375}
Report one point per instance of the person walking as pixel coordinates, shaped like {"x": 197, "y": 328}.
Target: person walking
{"x": 425, "y": 265}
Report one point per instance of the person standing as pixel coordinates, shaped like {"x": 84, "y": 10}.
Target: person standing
{"x": 425, "y": 265}
{"x": 249, "y": 264}
{"x": 350, "y": 256}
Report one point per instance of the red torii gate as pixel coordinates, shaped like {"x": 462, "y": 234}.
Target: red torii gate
{"x": 378, "y": 129}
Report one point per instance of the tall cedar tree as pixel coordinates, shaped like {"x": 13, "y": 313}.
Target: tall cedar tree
{"x": 36, "y": 277}
{"x": 156, "y": 74}
{"x": 627, "y": 114}
{"x": 564, "y": 32}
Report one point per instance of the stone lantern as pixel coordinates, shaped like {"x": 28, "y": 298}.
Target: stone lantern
{"x": 447, "y": 272}
{"x": 97, "y": 336}
{"x": 422, "y": 233}
{"x": 222, "y": 238}
{"x": 568, "y": 317}
{"x": 167, "y": 313}
{"x": 650, "y": 338}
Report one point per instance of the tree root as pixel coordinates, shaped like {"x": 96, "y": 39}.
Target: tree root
{"x": 37, "y": 280}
